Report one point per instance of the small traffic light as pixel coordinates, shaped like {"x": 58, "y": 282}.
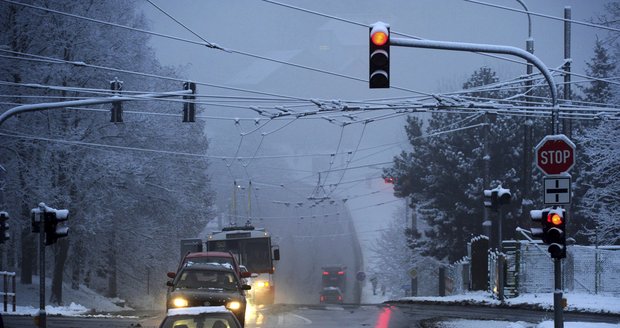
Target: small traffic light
{"x": 537, "y": 232}
{"x": 379, "y": 56}
{"x": 117, "y": 107}
{"x": 554, "y": 232}
{"x": 35, "y": 220}
{"x": 4, "y": 227}
{"x": 493, "y": 198}
{"x": 52, "y": 231}
{"x": 189, "y": 107}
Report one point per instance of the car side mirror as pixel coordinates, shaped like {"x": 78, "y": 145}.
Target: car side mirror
{"x": 171, "y": 275}
{"x": 246, "y": 274}
{"x": 169, "y": 283}
{"x": 246, "y": 287}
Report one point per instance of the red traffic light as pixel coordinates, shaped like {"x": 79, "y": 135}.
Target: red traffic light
{"x": 555, "y": 219}
{"x": 389, "y": 180}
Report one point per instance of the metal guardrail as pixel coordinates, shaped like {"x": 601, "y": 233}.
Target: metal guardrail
{"x": 5, "y": 293}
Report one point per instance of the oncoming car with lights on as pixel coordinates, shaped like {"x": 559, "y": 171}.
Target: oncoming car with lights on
{"x": 208, "y": 284}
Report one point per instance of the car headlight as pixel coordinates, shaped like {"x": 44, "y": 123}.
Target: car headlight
{"x": 233, "y": 306}
{"x": 180, "y": 302}
{"x": 262, "y": 284}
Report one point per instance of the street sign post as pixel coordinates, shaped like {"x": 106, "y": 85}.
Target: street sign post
{"x": 555, "y": 154}
{"x": 557, "y": 190}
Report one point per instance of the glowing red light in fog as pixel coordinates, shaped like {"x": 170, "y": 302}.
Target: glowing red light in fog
{"x": 384, "y": 318}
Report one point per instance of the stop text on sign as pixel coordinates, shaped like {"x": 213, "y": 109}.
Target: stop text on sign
{"x": 555, "y": 156}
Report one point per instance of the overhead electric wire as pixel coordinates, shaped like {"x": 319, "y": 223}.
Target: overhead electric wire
{"x": 366, "y": 26}
{"x": 208, "y": 44}
{"x": 544, "y": 16}
{"x": 170, "y": 78}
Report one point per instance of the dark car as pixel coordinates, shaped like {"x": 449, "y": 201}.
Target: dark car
{"x": 208, "y": 284}
{"x": 331, "y": 295}
{"x": 335, "y": 276}
{"x": 201, "y": 316}
{"x": 225, "y": 258}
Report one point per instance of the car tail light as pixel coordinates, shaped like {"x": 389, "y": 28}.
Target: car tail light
{"x": 322, "y": 298}
{"x": 341, "y": 273}
{"x": 325, "y": 273}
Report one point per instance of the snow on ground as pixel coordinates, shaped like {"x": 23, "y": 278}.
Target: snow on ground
{"x": 576, "y": 301}
{"x": 83, "y": 301}
{"x": 369, "y": 221}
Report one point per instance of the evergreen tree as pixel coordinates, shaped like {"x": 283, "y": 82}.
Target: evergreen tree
{"x": 600, "y": 67}
{"x": 444, "y": 173}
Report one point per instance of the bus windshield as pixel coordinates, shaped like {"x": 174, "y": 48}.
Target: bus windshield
{"x": 254, "y": 253}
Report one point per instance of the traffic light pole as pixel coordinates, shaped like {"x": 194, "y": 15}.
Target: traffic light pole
{"x": 42, "y": 315}
{"x": 486, "y": 48}
{"x": 84, "y": 102}
{"x": 558, "y": 311}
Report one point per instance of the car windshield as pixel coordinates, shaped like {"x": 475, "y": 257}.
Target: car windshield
{"x": 211, "y": 259}
{"x": 213, "y": 279}
{"x": 211, "y": 320}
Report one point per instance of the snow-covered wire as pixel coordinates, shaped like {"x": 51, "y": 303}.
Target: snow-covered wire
{"x": 599, "y": 26}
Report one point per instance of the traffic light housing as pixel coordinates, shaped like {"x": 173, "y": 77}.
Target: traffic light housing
{"x": 4, "y": 227}
{"x": 493, "y": 198}
{"x": 555, "y": 232}
{"x": 35, "y": 220}
{"x": 51, "y": 221}
{"x": 117, "y": 107}
{"x": 379, "y": 56}
{"x": 490, "y": 199}
{"x": 189, "y": 107}
{"x": 537, "y": 232}
{"x": 552, "y": 229}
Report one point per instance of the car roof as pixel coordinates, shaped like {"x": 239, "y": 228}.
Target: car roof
{"x": 197, "y": 310}
{"x": 208, "y": 254}
{"x": 209, "y": 266}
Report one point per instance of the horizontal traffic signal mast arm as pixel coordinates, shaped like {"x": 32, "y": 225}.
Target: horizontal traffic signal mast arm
{"x": 84, "y": 102}
{"x": 487, "y": 48}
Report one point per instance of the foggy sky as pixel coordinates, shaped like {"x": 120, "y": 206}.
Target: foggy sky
{"x": 285, "y": 34}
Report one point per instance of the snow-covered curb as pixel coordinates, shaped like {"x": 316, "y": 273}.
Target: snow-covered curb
{"x": 543, "y": 301}
{"x": 73, "y": 310}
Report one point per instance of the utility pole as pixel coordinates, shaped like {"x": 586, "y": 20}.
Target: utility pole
{"x": 558, "y": 310}
{"x": 527, "y": 126}
{"x": 567, "y": 122}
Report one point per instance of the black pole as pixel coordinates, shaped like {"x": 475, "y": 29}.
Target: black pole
{"x": 558, "y": 311}
{"x": 567, "y": 122}
{"x": 42, "y": 315}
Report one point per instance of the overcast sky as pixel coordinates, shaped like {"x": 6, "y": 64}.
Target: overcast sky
{"x": 273, "y": 31}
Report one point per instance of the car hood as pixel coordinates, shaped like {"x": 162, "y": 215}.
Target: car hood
{"x": 207, "y": 295}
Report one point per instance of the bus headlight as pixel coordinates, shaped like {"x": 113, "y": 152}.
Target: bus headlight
{"x": 233, "y": 306}
{"x": 180, "y": 302}
{"x": 262, "y": 284}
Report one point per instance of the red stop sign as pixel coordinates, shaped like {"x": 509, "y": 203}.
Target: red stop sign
{"x": 555, "y": 154}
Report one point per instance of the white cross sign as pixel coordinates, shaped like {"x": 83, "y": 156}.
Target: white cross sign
{"x": 557, "y": 190}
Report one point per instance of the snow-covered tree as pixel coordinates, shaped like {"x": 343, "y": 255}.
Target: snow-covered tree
{"x": 445, "y": 172}
{"x": 119, "y": 199}
{"x": 600, "y": 67}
